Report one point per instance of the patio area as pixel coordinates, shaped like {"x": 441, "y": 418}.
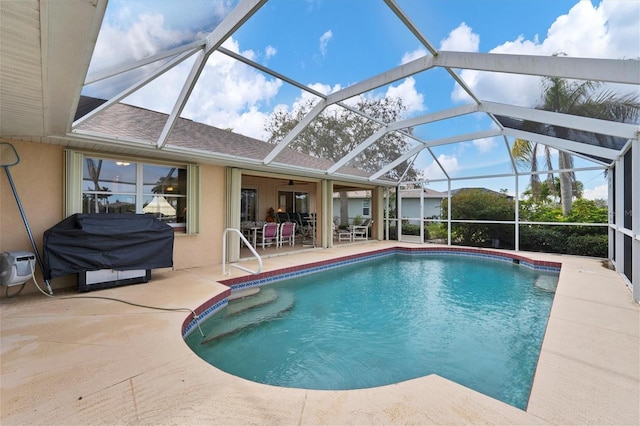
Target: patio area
{"x": 301, "y": 245}
{"x": 97, "y": 361}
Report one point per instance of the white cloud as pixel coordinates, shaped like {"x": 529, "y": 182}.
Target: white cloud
{"x": 599, "y": 192}
{"x": 147, "y": 35}
{"x": 305, "y": 97}
{"x": 410, "y": 56}
{"x": 484, "y": 145}
{"x": 405, "y": 90}
{"x": 270, "y": 51}
{"x": 228, "y": 94}
{"x": 608, "y": 30}
{"x": 325, "y": 89}
{"x": 461, "y": 39}
{"x": 411, "y": 98}
{"x": 448, "y": 162}
{"x": 324, "y": 41}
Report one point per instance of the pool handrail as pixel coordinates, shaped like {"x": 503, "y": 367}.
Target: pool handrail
{"x": 224, "y": 253}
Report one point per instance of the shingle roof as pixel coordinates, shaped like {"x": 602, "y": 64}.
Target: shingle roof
{"x": 133, "y": 123}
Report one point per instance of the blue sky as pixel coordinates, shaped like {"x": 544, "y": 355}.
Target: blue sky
{"x": 331, "y": 44}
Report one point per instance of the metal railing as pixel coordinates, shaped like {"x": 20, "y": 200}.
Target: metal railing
{"x": 224, "y": 253}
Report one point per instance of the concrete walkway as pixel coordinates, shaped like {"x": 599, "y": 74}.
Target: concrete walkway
{"x": 96, "y": 361}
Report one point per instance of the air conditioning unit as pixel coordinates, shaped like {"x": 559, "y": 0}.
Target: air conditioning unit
{"x": 16, "y": 267}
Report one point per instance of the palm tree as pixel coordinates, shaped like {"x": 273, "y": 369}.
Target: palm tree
{"x": 526, "y": 157}
{"x": 577, "y": 98}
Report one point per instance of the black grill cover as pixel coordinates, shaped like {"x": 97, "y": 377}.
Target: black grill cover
{"x": 89, "y": 242}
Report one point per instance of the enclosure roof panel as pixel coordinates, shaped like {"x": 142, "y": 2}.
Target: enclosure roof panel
{"x": 194, "y": 68}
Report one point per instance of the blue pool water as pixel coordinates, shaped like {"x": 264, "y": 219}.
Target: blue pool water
{"x": 477, "y": 322}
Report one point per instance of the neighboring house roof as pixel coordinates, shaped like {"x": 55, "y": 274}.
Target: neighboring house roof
{"x": 428, "y": 193}
{"x": 134, "y": 123}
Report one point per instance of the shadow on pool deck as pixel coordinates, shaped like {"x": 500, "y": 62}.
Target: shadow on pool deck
{"x": 88, "y": 361}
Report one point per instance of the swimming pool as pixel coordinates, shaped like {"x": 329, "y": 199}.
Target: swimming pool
{"x": 480, "y": 324}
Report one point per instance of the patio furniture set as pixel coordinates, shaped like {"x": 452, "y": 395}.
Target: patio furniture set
{"x": 283, "y": 231}
{"x": 353, "y": 232}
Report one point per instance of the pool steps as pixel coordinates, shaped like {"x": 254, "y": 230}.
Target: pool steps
{"x": 547, "y": 282}
{"x": 243, "y": 293}
{"x": 238, "y": 306}
{"x": 256, "y": 309}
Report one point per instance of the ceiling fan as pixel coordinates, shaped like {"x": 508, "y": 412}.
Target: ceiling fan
{"x": 291, "y": 182}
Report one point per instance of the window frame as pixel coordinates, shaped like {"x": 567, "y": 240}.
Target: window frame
{"x": 256, "y": 205}
{"x": 366, "y": 207}
{"x": 73, "y": 197}
{"x": 296, "y": 203}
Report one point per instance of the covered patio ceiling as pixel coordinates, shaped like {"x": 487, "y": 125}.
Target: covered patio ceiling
{"x": 47, "y": 49}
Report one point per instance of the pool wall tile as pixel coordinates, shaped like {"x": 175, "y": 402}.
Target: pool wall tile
{"x": 240, "y": 283}
{"x": 205, "y": 310}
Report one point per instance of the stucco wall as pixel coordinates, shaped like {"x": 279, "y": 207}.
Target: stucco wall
{"x": 39, "y": 181}
{"x": 205, "y": 248}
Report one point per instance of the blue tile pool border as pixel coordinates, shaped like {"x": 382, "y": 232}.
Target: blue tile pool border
{"x": 242, "y": 283}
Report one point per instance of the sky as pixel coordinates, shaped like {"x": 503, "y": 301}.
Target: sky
{"x": 330, "y": 44}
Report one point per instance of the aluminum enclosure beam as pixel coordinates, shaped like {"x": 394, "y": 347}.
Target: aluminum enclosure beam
{"x": 403, "y": 124}
{"x": 117, "y": 98}
{"x": 605, "y": 127}
{"x": 122, "y": 68}
{"x": 465, "y": 137}
{"x": 608, "y": 70}
{"x": 404, "y": 157}
{"x": 395, "y": 74}
{"x": 295, "y": 131}
{"x": 239, "y": 15}
{"x": 564, "y": 144}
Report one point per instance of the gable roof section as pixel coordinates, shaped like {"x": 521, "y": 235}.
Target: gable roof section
{"x": 126, "y": 122}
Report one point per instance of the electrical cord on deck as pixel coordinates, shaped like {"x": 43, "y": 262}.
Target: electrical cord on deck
{"x": 33, "y": 275}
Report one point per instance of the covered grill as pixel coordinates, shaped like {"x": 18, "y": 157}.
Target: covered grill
{"x": 84, "y": 243}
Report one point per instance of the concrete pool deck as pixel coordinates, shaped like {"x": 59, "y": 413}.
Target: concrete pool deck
{"x": 96, "y": 361}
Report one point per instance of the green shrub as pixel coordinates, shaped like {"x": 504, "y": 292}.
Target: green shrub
{"x": 438, "y": 230}
{"x": 410, "y": 229}
{"x": 547, "y": 239}
{"x": 576, "y": 240}
{"x": 587, "y": 211}
{"x": 479, "y": 204}
{"x": 393, "y": 233}
{"x": 588, "y": 245}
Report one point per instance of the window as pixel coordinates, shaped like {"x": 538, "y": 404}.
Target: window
{"x": 248, "y": 205}
{"x": 366, "y": 208}
{"x": 107, "y": 185}
{"x": 293, "y": 202}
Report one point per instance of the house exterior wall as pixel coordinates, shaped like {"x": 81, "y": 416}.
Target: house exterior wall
{"x": 39, "y": 182}
{"x": 355, "y": 208}
{"x": 411, "y": 207}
